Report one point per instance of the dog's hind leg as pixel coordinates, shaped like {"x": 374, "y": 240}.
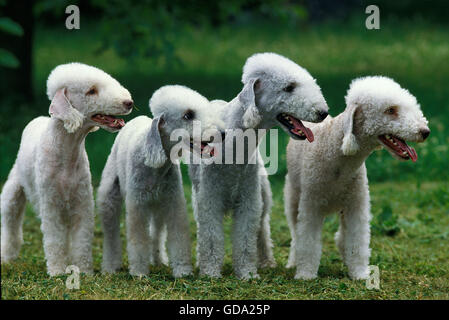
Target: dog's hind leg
{"x": 291, "y": 200}
{"x": 12, "y": 210}
{"x": 109, "y": 203}
{"x": 264, "y": 242}
{"x": 158, "y": 236}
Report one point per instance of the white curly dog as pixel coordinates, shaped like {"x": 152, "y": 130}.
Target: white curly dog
{"x": 329, "y": 175}
{"x": 52, "y": 169}
{"x": 140, "y": 170}
{"x": 276, "y": 91}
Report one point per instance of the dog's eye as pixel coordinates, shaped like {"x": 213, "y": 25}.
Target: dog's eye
{"x": 92, "y": 91}
{"x": 290, "y": 87}
{"x": 392, "y": 110}
{"x": 188, "y": 115}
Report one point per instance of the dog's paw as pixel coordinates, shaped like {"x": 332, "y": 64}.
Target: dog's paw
{"x": 267, "y": 264}
{"x": 213, "y": 275}
{"x": 56, "y": 271}
{"x": 290, "y": 264}
{"x": 182, "y": 271}
{"x": 110, "y": 269}
{"x": 247, "y": 274}
{"x": 304, "y": 275}
{"x": 360, "y": 273}
{"x": 7, "y": 259}
{"x": 210, "y": 271}
{"x": 138, "y": 272}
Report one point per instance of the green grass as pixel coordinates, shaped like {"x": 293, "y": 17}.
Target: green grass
{"x": 410, "y": 201}
{"x": 412, "y": 259}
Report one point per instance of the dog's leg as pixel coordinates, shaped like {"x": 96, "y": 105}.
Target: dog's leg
{"x": 354, "y": 235}
{"x": 291, "y": 200}
{"x": 246, "y": 226}
{"x": 178, "y": 233}
{"x": 12, "y": 210}
{"x": 109, "y": 203}
{"x": 210, "y": 234}
{"x": 55, "y": 231}
{"x": 158, "y": 236}
{"x": 138, "y": 236}
{"x": 82, "y": 233}
{"x": 264, "y": 242}
{"x": 195, "y": 215}
{"x": 339, "y": 238}
{"x": 308, "y": 241}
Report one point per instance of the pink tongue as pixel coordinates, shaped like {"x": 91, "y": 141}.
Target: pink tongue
{"x": 121, "y": 122}
{"x": 299, "y": 126}
{"x": 205, "y": 148}
{"x": 410, "y": 151}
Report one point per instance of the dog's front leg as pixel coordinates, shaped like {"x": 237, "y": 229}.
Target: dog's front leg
{"x": 138, "y": 236}
{"x": 246, "y": 228}
{"x": 308, "y": 240}
{"x": 178, "y": 236}
{"x": 54, "y": 227}
{"x": 82, "y": 233}
{"x": 210, "y": 234}
{"x": 353, "y": 237}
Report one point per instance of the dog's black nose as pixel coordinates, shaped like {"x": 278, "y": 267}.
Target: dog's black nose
{"x": 425, "y": 133}
{"x": 128, "y": 103}
{"x": 323, "y": 115}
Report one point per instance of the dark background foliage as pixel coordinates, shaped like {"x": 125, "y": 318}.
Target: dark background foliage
{"x": 203, "y": 44}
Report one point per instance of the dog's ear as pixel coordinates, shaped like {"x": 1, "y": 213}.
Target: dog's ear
{"x": 349, "y": 145}
{"x": 247, "y": 97}
{"x": 154, "y": 151}
{"x": 60, "y": 108}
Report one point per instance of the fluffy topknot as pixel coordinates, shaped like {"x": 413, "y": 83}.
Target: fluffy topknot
{"x": 70, "y": 74}
{"x": 167, "y": 98}
{"x": 378, "y": 89}
{"x": 273, "y": 64}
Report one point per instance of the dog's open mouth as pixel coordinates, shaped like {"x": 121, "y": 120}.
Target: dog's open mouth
{"x": 295, "y": 127}
{"x": 109, "y": 121}
{"x": 398, "y": 147}
{"x": 204, "y": 147}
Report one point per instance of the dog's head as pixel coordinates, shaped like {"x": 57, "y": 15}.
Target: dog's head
{"x": 278, "y": 91}
{"x": 176, "y": 107}
{"x": 85, "y": 96}
{"x": 379, "y": 111}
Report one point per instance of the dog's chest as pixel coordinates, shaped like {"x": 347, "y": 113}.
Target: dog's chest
{"x": 333, "y": 186}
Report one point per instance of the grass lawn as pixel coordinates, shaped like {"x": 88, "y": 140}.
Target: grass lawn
{"x": 410, "y": 226}
{"x": 409, "y": 245}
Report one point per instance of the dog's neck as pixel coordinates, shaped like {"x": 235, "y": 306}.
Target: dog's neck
{"x": 233, "y": 120}
{"x": 366, "y": 146}
{"x": 234, "y": 114}
{"x": 64, "y": 147}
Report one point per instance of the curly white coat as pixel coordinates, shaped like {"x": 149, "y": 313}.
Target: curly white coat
{"x": 139, "y": 171}
{"x": 329, "y": 175}
{"x": 244, "y": 188}
{"x": 52, "y": 169}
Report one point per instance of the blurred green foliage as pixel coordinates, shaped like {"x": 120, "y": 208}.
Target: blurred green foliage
{"x": 415, "y": 53}
{"x": 7, "y": 25}
{"x": 150, "y": 28}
